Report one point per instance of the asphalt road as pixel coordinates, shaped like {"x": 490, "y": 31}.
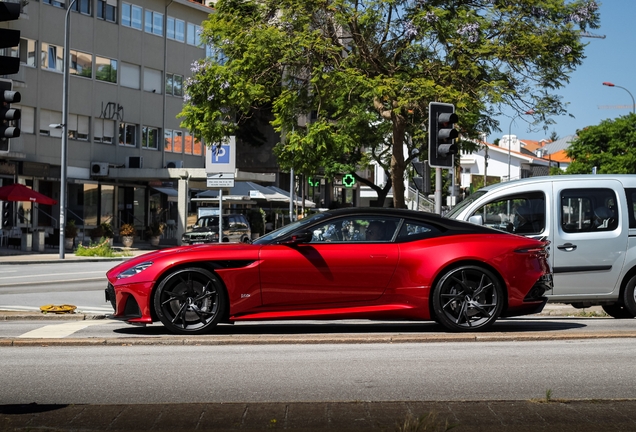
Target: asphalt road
{"x": 599, "y": 369}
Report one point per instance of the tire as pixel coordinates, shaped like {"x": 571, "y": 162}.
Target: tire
{"x": 190, "y": 301}
{"x": 617, "y": 311}
{"x": 629, "y": 297}
{"x": 468, "y": 298}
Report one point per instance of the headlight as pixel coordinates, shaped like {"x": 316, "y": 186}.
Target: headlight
{"x": 134, "y": 270}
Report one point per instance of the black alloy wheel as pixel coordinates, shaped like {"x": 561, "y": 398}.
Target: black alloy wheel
{"x": 468, "y": 298}
{"x": 190, "y": 301}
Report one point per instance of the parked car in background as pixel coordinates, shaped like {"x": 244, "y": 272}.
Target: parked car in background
{"x": 236, "y": 228}
{"x": 354, "y": 263}
{"x": 590, "y": 221}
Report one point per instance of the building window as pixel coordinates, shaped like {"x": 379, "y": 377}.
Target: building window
{"x": 154, "y": 22}
{"x": 107, "y": 10}
{"x": 106, "y": 69}
{"x": 150, "y": 137}
{"x": 52, "y": 57}
{"x": 27, "y": 52}
{"x": 128, "y": 134}
{"x": 175, "y": 29}
{"x": 78, "y": 127}
{"x": 152, "y": 80}
{"x": 48, "y": 118}
{"x": 82, "y": 6}
{"x": 194, "y": 32}
{"x": 129, "y": 75}
{"x": 103, "y": 130}
{"x": 81, "y": 64}
{"x": 174, "y": 84}
{"x": 173, "y": 141}
{"x": 54, "y": 3}
{"x": 192, "y": 145}
{"x": 131, "y": 16}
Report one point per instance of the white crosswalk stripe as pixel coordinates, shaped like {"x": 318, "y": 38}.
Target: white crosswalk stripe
{"x": 58, "y": 331}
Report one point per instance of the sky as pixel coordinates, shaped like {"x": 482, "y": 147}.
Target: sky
{"x": 611, "y": 59}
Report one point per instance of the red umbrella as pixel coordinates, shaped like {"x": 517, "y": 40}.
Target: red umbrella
{"x": 19, "y": 192}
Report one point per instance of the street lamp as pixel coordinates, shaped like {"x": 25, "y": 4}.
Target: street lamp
{"x": 63, "y": 159}
{"x": 530, "y": 112}
{"x": 609, "y": 84}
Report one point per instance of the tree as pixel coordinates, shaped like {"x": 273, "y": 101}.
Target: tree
{"x": 349, "y": 81}
{"x": 608, "y": 146}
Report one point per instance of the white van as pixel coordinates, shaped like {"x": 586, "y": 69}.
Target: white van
{"x": 590, "y": 221}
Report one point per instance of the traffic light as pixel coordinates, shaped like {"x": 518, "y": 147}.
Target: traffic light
{"x": 8, "y": 116}
{"x": 6, "y": 214}
{"x": 423, "y": 179}
{"x": 9, "y": 38}
{"x": 441, "y": 134}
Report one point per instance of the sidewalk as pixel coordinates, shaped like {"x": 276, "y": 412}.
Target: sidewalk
{"x": 17, "y": 256}
{"x": 473, "y": 416}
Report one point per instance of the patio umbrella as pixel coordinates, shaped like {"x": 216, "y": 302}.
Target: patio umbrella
{"x": 19, "y": 192}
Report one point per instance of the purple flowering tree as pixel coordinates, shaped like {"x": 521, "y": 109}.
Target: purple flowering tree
{"x": 349, "y": 82}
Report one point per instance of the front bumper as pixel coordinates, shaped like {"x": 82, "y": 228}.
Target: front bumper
{"x": 131, "y": 302}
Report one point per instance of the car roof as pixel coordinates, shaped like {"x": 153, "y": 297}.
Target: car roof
{"x": 432, "y": 218}
{"x": 559, "y": 178}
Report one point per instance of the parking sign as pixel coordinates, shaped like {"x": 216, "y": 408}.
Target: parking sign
{"x": 221, "y": 159}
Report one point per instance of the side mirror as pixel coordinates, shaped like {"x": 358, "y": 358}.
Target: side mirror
{"x": 476, "y": 219}
{"x": 299, "y": 237}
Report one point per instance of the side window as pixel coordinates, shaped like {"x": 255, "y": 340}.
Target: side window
{"x": 631, "y": 206}
{"x": 519, "y": 214}
{"x": 356, "y": 229}
{"x": 233, "y": 223}
{"x": 415, "y": 230}
{"x": 585, "y": 210}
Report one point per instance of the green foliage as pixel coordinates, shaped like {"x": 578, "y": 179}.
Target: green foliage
{"x": 101, "y": 248}
{"x": 608, "y": 146}
{"x": 107, "y": 230}
{"x": 349, "y": 82}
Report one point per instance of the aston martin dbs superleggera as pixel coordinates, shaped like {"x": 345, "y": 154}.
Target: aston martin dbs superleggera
{"x": 369, "y": 263}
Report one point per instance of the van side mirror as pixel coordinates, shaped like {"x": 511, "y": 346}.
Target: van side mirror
{"x": 476, "y": 219}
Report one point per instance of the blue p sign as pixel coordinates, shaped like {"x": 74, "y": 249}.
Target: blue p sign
{"x": 221, "y": 154}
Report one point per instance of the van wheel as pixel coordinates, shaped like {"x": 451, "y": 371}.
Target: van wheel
{"x": 629, "y": 297}
{"x": 617, "y": 311}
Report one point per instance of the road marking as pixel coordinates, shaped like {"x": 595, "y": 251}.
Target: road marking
{"x": 58, "y": 331}
{"x": 80, "y": 309}
{"x": 57, "y": 274}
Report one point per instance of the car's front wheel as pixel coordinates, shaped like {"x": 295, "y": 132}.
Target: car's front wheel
{"x": 629, "y": 297}
{"x": 468, "y": 298}
{"x": 190, "y": 301}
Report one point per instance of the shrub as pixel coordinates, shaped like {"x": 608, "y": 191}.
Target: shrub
{"x": 127, "y": 230}
{"x": 70, "y": 229}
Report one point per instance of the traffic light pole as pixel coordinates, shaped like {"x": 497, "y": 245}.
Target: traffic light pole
{"x": 438, "y": 191}
{"x": 63, "y": 157}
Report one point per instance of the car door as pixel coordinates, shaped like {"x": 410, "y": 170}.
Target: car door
{"x": 590, "y": 237}
{"x": 338, "y": 266}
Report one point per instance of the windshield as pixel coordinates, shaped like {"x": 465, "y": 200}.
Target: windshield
{"x": 283, "y": 231}
{"x": 464, "y": 203}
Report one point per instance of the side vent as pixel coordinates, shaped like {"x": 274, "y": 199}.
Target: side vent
{"x": 174, "y": 164}
{"x": 99, "y": 169}
{"x": 134, "y": 162}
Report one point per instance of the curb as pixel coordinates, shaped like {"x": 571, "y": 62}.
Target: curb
{"x": 312, "y": 339}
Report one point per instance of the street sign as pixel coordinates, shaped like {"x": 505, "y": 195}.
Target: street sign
{"x": 220, "y": 180}
{"x": 221, "y": 158}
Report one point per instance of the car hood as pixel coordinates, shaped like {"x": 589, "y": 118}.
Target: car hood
{"x": 204, "y": 229}
{"x": 209, "y": 252}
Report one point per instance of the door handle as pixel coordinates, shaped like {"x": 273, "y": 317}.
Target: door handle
{"x": 568, "y": 247}
{"x": 379, "y": 256}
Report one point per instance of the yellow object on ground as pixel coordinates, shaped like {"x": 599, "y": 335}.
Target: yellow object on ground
{"x": 58, "y": 309}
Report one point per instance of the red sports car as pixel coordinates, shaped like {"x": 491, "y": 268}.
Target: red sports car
{"x": 370, "y": 263}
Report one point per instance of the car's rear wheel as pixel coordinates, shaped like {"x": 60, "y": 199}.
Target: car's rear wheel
{"x": 629, "y": 297}
{"x": 190, "y": 301}
{"x": 617, "y": 311}
{"x": 468, "y": 298}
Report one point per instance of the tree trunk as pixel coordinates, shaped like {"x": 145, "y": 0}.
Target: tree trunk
{"x": 397, "y": 161}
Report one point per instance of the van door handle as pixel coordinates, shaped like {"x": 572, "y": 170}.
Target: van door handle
{"x": 568, "y": 247}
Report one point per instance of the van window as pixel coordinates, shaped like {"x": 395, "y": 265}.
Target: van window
{"x": 631, "y": 205}
{"x": 520, "y": 213}
{"x": 586, "y": 210}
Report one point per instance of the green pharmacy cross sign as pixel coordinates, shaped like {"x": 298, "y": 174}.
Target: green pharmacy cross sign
{"x": 313, "y": 182}
{"x": 348, "y": 180}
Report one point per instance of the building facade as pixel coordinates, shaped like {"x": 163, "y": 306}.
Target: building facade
{"x": 128, "y": 62}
